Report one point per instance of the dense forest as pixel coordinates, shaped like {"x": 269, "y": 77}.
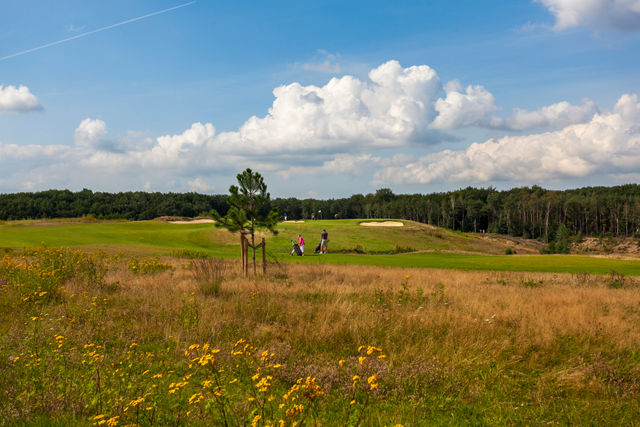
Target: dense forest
{"x": 531, "y": 212}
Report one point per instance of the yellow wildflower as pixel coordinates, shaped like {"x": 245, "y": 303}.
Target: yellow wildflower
{"x": 197, "y": 397}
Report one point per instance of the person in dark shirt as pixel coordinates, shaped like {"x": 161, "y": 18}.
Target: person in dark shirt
{"x": 324, "y": 238}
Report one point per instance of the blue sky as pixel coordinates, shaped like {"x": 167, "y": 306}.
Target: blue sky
{"x": 325, "y": 99}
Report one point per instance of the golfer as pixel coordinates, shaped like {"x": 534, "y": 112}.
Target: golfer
{"x": 324, "y": 238}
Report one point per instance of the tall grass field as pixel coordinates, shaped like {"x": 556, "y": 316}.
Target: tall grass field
{"x": 153, "y": 324}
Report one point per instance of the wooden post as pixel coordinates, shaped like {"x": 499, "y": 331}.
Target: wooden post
{"x": 246, "y": 256}
{"x": 264, "y": 257}
{"x": 242, "y": 251}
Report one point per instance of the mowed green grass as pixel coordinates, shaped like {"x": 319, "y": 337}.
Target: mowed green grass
{"x": 432, "y": 247}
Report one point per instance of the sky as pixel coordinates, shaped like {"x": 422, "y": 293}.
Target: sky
{"x": 325, "y": 99}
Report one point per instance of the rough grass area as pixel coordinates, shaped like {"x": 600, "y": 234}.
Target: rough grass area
{"x": 107, "y": 339}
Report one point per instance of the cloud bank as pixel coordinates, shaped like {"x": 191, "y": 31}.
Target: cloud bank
{"x": 608, "y": 144}
{"x": 556, "y": 116}
{"x": 617, "y": 15}
{"x": 372, "y": 128}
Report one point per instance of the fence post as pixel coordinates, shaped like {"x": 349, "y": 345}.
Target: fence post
{"x": 244, "y": 243}
{"x": 242, "y": 251}
{"x": 246, "y": 256}
{"x": 264, "y": 257}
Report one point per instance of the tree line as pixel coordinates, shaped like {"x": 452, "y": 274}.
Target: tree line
{"x": 137, "y": 205}
{"x": 530, "y": 212}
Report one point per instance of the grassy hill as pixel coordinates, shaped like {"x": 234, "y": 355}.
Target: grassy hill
{"x": 346, "y": 236}
{"x": 412, "y": 245}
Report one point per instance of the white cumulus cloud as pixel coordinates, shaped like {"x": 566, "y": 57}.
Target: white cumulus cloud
{"x": 618, "y": 15}
{"x": 90, "y": 133}
{"x": 556, "y": 116}
{"x": 391, "y": 109}
{"x": 460, "y": 109}
{"x": 173, "y": 150}
{"x": 607, "y": 144}
{"x": 17, "y": 99}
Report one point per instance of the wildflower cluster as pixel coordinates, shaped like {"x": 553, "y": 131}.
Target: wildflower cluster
{"x": 147, "y": 266}
{"x": 365, "y": 375}
{"x": 64, "y": 358}
{"x": 241, "y": 387}
{"x": 38, "y": 274}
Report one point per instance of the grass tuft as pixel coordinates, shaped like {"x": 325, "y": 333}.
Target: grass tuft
{"x": 209, "y": 274}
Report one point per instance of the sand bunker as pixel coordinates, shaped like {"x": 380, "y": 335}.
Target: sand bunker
{"x": 293, "y": 221}
{"x": 195, "y": 221}
{"x": 382, "y": 224}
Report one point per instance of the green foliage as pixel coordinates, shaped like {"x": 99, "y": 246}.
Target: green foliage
{"x": 509, "y": 251}
{"x": 248, "y": 205}
{"x": 39, "y": 274}
{"x": 358, "y": 248}
{"x": 91, "y": 205}
{"x": 403, "y": 296}
{"x": 531, "y": 283}
{"x": 615, "y": 280}
{"x": 190, "y": 312}
{"x": 560, "y": 242}
{"x": 249, "y": 208}
{"x": 398, "y": 249}
{"x": 188, "y": 253}
{"x": 439, "y": 296}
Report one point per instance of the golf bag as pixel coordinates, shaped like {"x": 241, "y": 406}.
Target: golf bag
{"x": 296, "y": 249}
{"x": 318, "y": 247}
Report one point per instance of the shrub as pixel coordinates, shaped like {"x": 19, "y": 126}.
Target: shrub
{"x": 209, "y": 273}
{"x": 188, "y": 253}
{"x": 397, "y": 249}
{"x": 561, "y": 240}
{"x": 358, "y": 248}
{"x": 615, "y": 280}
{"x": 531, "y": 283}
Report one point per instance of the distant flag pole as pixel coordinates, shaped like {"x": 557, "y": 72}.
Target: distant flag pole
{"x": 88, "y": 33}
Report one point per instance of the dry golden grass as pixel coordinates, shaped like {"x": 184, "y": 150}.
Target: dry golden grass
{"x": 458, "y": 343}
{"x": 489, "y": 311}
